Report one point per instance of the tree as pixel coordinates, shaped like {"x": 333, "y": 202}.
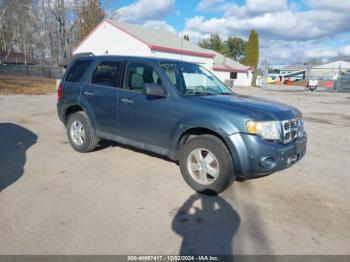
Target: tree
{"x": 8, "y": 27}
{"x": 204, "y": 43}
{"x": 15, "y": 29}
{"x": 46, "y": 29}
{"x": 90, "y": 14}
{"x": 252, "y": 54}
{"x": 187, "y": 37}
{"x": 233, "y": 47}
{"x": 236, "y": 48}
{"x": 62, "y": 29}
{"x": 214, "y": 42}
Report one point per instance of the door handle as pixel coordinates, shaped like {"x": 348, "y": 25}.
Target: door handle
{"x": 126, "y": 100}
{"x": 87, "y": 93}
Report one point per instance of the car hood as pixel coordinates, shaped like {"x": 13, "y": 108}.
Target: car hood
{"x": 254, "y": 107}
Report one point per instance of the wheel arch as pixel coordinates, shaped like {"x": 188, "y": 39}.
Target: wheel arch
{"x": 73, "y": 108}
{"x": 201, "y": 130}
{"x": 196, "y": 131}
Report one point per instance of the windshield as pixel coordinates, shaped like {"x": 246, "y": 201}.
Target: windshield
{"x": 192, "y": 79}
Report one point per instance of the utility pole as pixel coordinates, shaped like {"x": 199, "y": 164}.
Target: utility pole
{"x": 265, "y": 67}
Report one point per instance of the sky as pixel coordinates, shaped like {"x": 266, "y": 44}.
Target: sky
{"x": 290, "y": 31}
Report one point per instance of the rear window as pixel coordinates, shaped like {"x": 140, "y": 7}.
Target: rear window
{"x": 77, "y": 70}
{"x": 106, "y": 74}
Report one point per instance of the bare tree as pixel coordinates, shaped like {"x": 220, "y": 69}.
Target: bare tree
{"x": 45, "y": 29}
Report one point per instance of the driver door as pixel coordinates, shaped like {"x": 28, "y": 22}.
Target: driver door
{"x": 141, "y": 118}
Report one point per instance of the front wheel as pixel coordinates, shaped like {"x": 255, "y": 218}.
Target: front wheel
{"x": 206, "y": 164}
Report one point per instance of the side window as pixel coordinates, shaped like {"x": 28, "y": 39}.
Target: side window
{"x": 77, "y": 70}
{"x": 106, "y": 74}
{"x": 139, "y": 74}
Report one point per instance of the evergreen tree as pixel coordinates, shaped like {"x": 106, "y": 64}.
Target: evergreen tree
{"x": 252, "y": 54}
{"x": 187, "y": 37}
{"x": 91, "y": 13}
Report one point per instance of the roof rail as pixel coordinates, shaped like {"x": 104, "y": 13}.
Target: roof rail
{"x": 84, "y": 54}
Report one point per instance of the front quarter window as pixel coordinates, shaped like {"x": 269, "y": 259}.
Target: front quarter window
{"x": 172, "y": 73}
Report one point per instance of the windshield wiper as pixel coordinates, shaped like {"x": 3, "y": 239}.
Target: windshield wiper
{"x": 204, "y": 94}
{"x": 200, "y": 94}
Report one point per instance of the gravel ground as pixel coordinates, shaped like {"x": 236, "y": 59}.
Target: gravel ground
{"x": 122, "y": 201}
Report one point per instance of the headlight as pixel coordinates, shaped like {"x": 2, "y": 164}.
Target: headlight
{"x": 266, "y": 129}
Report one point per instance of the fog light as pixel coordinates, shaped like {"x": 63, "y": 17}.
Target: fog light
{"x": 292, "y": 159}
{"x": 268, "y": 162}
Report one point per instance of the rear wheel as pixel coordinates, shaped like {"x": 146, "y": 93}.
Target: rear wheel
{"x": 206, "y": 164}
{"x": 80, "y": 133}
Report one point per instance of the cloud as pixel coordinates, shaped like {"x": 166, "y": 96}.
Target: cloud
{"x": 335, "y": 5}
{"x": 284, "y": 25}
{"x": 160, "y": 25}
{"x": 321, "y": 52}
{"x": 281, "y": 52}
{"x": 345, "y": 50}
{"x": 208, "y": 5}
{"x": 288, "y": 30}
{"x": 264, "y": 6}
{"x": 250, "y": 8}
{"x": 144, "y": 10}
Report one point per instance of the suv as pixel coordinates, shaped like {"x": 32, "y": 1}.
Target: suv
{"x": 182, "y": 111}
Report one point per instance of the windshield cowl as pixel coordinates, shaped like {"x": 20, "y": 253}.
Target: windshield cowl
{"x": 211, "y": 94}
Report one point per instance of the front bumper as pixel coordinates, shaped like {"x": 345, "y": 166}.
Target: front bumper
{"x": 248, "y": 152}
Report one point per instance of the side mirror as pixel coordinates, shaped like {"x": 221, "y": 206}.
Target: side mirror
{"x": 154, "y": 90}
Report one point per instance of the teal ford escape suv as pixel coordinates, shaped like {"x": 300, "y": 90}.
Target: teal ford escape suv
{"x": 182, "y": 111}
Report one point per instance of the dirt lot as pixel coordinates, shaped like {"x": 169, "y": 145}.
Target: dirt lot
{"x": 26, "y": 85}
{"x": 122, "y": 201}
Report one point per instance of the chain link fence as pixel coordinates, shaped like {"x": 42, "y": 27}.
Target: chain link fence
{"x": 343, "y": 82}
{"x": 330, "y": 78}
{"x": 32, "y": 70}
{"x": 333, "y": 78}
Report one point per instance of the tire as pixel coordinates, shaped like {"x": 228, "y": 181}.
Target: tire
{"x": 222, "y": 163}
{"x": 90, "y": 141}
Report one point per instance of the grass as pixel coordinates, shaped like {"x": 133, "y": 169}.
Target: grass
{"x": 26, "y": 85}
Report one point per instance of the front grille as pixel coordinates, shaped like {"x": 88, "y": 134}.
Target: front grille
{"x": 292, "y": 129}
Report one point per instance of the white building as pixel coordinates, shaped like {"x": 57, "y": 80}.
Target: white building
{"x": 330, "y": 71}
{"x": 292, "y": 69}
{"x": 227, "y": 69}
{"x": 293, "y": 72}
{"x": 116, "y": 38}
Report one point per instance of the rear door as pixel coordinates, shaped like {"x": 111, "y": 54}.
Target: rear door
{"x": 101, "y": 94}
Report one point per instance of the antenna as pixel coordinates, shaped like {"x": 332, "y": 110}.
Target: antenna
{"x": 182, "y": 41}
